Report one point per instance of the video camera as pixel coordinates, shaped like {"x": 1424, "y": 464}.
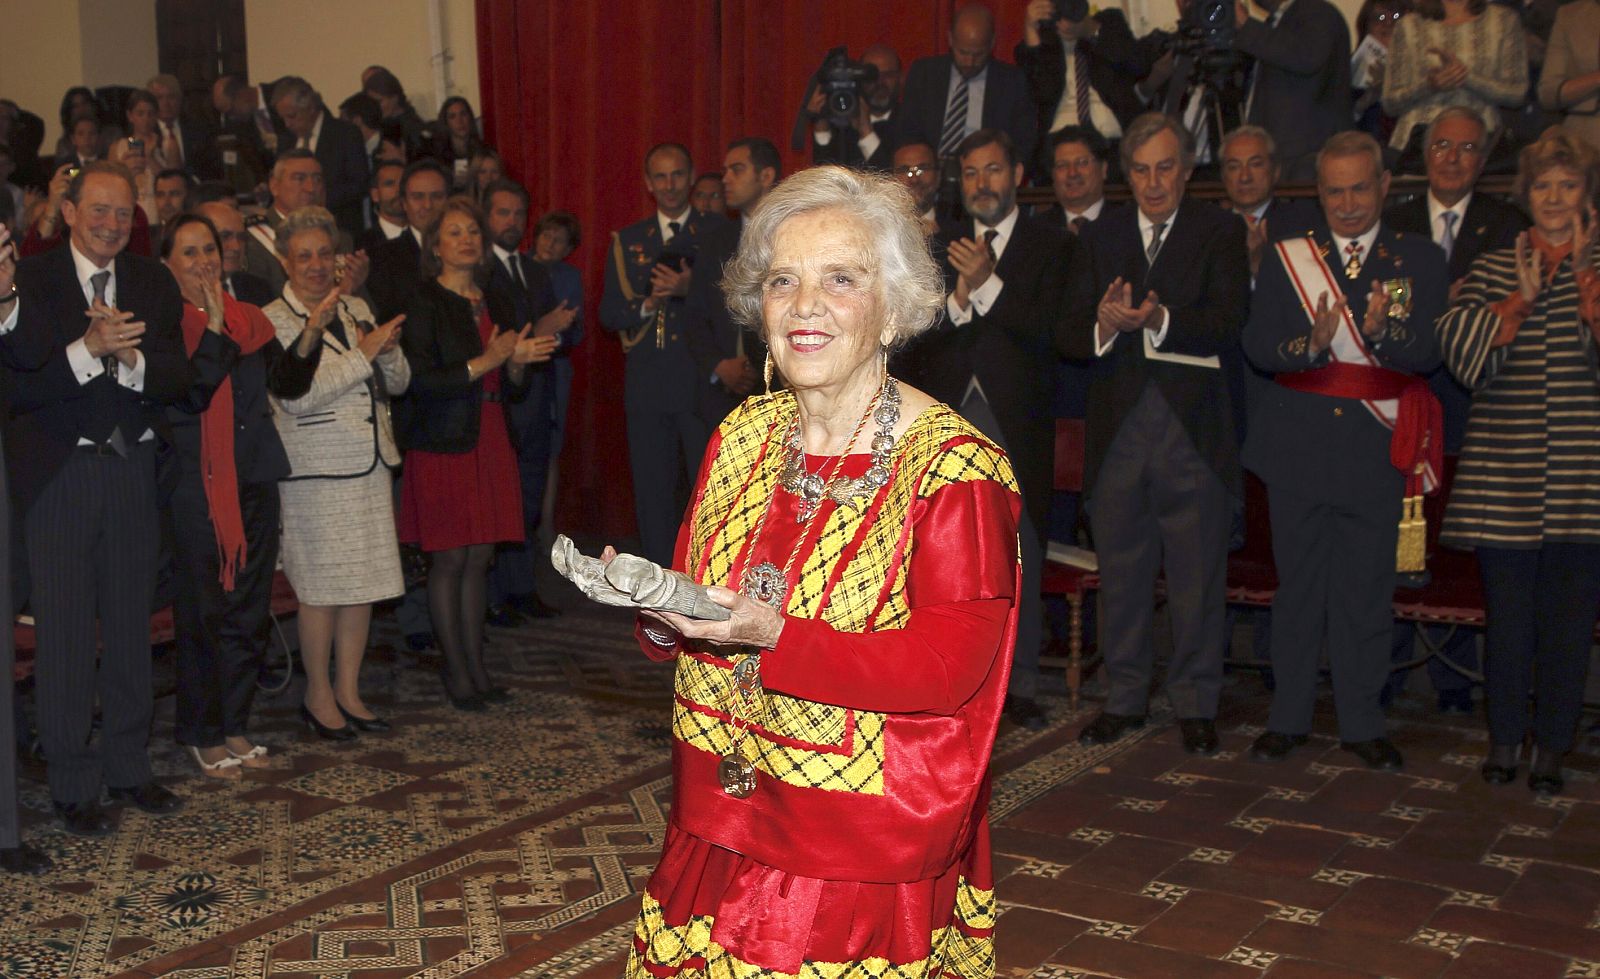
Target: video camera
{"x": 1075, "y": 11}
{"x": 1206, "y": 33}
{"x": 844, "y": 83}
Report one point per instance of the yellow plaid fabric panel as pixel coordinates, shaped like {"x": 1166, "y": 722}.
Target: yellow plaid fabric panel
{"x": 687, "y": 952}
{"x": 869, "y": 592}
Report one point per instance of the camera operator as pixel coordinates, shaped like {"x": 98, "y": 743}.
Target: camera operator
{"x": 868, "y": 141}
{"x": 1300, "y": 85}
{"x": 1081, "y": 68}
{"x": 1196, "y": 76}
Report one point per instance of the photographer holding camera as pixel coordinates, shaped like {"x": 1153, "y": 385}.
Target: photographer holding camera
{"x": 1300, "y": 86}
{"x": 862, "y": 134}
{"x": 1081, "y": 68}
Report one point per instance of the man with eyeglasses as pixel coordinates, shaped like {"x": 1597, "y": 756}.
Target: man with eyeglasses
{"x": 917, "y": 168}
{"x": 1464, "y": 225}
{"x": 1079, "y": 159}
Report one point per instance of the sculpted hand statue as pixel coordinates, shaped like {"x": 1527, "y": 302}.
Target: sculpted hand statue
{"x": 629, "y": 581}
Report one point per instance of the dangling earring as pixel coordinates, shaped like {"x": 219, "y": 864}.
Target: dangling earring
{"x": 766, "y": 372}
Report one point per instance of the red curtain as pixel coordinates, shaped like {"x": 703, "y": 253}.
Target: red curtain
{"x": 574, "y": 92}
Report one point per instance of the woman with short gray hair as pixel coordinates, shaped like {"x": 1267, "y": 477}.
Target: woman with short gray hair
{"x": 340, "y": 550}
{"x": 832, "y": 735}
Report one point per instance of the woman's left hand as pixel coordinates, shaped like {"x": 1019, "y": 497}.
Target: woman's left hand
{"x": 753, "y": 623}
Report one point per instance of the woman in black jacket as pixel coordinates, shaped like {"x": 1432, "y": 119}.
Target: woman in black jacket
{"x": 460, "y": 493}
{"x": 228, "y": 460}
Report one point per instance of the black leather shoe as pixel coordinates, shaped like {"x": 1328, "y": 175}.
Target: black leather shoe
{"x": 1199, "y": 735}
{"x": 501, "y": 617}
{"x": 1275, "y": 746}
{"x": 24, "y": 859}
{"x": 419, "y": 641}
{"x": 1378, "y": 754}
{"x": 1457, "y": 702}
{"x": 1109, "y": 727}
{"x": 343, "y": 732}
{"x": 1025, "y": 712}
{"x": 472, "y": 703}
{"x": 1544, "y": 775}
{"x": 376, "y": 725}
{"x": 1500, "y": 767}
{"x": 151, "y": 797}
{"x": 84, "y": 818}
{"x": 494, "y": 695}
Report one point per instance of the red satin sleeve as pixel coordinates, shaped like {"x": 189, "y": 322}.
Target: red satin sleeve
{"x": 960, "y": 585}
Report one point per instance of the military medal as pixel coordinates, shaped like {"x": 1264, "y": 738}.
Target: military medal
{"x": 763, "y": 583}
{"x": 1399, "y": 292}
{"x": 1352, "y": 268}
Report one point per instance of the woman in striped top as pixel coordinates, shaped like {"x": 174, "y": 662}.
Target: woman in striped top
{"x": 1523, "y": 335}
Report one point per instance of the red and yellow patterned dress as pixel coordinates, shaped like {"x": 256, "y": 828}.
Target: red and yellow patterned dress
{"x": 864, "y": 850}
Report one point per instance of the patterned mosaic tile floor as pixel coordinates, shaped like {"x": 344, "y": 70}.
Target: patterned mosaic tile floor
{"x": 515, "y": 843}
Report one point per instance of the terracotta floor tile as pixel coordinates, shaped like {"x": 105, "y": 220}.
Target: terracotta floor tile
{"x": 1384, "y": 908}
{"x": 1031, "y": 844}
{"x": 1517, "y": 929}
{"x": 1289, "y": 851}
{"x": 1206, "y": 923}
{"x": 1312, "y": 813}
{"x": 1175, "y": 827}
{"x": 1081, "y": 900}
{"x": 1428, "y": 870}
{"x": 1455, "y": 834}
{"x": 1359, "y": 790}
{"x": 1026, "y": 938}
{"x": 1133, "y": 959}
{"x": 1563, "y": 894}
{"x": 1316, "y": 895}
{"x": 1401, "y": 961}
{"x": 1486, "y": 960}
{"x": 1289, "y": 968}
{"x": 1127, "y": 863}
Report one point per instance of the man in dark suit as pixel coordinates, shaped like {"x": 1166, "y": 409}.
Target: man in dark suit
{"x": 388, "y": 206}
{"x": 396, "y": 264}
{"x": 915, "y": 167}
{"x": 1322, "y": 444}
{"x": 16, "y": 857}
{"x": 241, "y": 285}
{"x": 1161, "y": 458}
{"x": 1079, "y": 159}
{"x": 1464, "y": 225}
{"x": 337, "y": 145}
{"x": 725, "y": 353}
{"x": 649, "y": 271}
{"x": 531, "y": 419}
{"x": 195, "y": 140}
{"x": 1081, "y": 74}
{"x": 951, "y": 96}
{"x": 1248, "y": 158}
{"x": 869, "y": 142}
{"x": 1299, "y": 89}
{"x": 82, "y": 466}
{"x": 1007, "y": 276}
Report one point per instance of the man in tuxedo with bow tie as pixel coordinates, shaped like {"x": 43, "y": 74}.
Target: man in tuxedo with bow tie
{"x": 82, "y": 462}
{"x": 1161, "y": 456}
{"x": 1344, "y": 319}
{"x": 1007, "y": 276}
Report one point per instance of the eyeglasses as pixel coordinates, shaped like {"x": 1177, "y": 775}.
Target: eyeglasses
{"x": 916, "y": 170}
{"x": 1442, "y": 148}
{"x": 1389, "y": 18}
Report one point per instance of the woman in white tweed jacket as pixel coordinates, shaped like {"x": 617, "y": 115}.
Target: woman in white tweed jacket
{"x": 339, "y": 546}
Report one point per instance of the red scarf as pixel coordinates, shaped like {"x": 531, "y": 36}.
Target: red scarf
{"x": 247, "y": 326}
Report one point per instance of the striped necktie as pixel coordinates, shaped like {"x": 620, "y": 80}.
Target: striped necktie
{"x": 1448, "y": 240}
{"x": 955, "y": 120}
{"x": 1155, "y": 243}
{"x": 1080, "y": 82}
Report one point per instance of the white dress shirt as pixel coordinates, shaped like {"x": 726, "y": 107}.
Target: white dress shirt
{"x": 1090, "y": 214}
{"x": 1436, "y": 211}
{"x": 1101, "y": 118}
{"x": 391, "y": 231}
{"x": 310, "y": 142}
{"x": 1146, "y": 226}
{"x": 983, "y": 298}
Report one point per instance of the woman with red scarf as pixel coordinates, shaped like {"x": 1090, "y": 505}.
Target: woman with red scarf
{"x": 1524, "y": 335}
{"x": 228, "y": 460}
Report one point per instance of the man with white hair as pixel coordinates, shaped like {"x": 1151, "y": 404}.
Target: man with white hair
{"x": 192, "y": 136}
{"x": 337, "y": 145}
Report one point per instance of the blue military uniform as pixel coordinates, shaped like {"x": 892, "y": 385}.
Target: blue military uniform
{"x": 666, "y": 433}
{"x": 1336, "y": 499}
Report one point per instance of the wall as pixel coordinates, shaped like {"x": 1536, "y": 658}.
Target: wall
{"x": 352, "y": 34}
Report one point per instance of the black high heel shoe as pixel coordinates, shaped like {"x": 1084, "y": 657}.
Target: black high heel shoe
{"x": 1544, "y": 775}
{"x": 343, "y": 733}
{"x": 471, "y": 702}
{"x": 1500, "y": 767}
{"x": 374, "y": 725}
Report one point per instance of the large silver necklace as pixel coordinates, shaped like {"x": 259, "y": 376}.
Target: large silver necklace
{"x": 812, "y": 488}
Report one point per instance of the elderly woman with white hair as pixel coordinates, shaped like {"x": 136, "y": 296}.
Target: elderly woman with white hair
{"x": 831, "y": 739}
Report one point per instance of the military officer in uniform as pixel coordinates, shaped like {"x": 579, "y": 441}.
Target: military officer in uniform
{"x": 649, "y": 269}
{"x": 1344, "y": 319}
